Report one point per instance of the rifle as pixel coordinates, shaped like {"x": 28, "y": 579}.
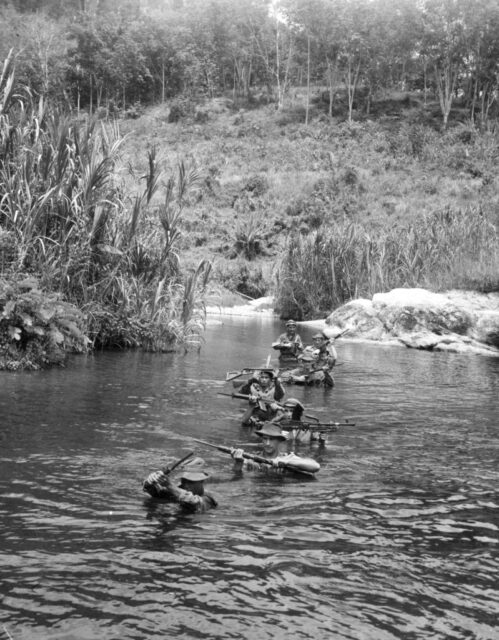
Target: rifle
{"x": 305, "y": 466}
{"x": 342, "y": 333}
{"x": 168, "y": 470}
{"x": 232, "y": 375}
{"x": 289, "y": 369}
{"x": 243, "y": 396}
{"x": 319, "y": 427}
{"x": 282, "y": 345}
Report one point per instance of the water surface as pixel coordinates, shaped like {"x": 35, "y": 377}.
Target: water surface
{"x": 396, "y": 538}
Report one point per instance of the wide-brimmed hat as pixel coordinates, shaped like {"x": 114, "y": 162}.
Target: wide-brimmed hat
{"x": 193, "y": 470}
{"x": 271, "y": 430}
{"x": 321, "y": 335}
{"x": 269, "y": 370}
{"x": 292, "y": 403}
{"x": 194, "y": 476}
{"x": 291, "y": 323}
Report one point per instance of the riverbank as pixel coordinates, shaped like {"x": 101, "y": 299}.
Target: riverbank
{"x": 311, "y": 215}
{"x": 454, "y": 321}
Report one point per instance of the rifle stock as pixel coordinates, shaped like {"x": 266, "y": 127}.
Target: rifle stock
{"x": 313, "y": 466}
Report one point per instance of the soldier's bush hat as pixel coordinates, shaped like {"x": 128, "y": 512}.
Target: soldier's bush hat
{"x": 193, "y": 470}
{"x": 271, "y": 430}
{"x": 269, "y": 370}
{"x": 292, "y": 402}
{"x": 291, "y": 323}
{"x": 194, "y": 476}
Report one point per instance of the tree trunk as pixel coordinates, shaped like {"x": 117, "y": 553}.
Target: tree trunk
{"x": 308, "y": 80}
{"x": 163, "y": 81}
{"x": 351, "y": 80}
{"x": 278, "y": 69}
{"x": 331, "y": 77}
{"x": 446, "y": 82}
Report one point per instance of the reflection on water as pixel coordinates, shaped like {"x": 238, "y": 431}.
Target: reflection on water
{"x": 396, "y": 538}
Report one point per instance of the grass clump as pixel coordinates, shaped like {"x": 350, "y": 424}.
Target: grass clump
{"x": 449, "y": 249}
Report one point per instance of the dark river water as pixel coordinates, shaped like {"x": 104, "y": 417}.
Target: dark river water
{"x": 397, "y": 537}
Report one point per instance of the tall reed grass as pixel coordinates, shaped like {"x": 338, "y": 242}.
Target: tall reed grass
{"x": 69, "y": 222}
{"x": 447, "y": 249}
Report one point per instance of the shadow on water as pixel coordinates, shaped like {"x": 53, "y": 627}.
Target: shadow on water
{"x": 396, "y": 537}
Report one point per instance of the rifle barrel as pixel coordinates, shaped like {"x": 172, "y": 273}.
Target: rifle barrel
{"x": 178, "y": 463}
{"x": 316, "y": 426}
{"x": 242, "y": 396}
{"x": 259, "y": 459}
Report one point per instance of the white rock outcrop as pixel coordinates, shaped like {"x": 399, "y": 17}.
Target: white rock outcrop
{"x": 451, "y": 321}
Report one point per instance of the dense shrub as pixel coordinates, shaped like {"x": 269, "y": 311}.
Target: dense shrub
{"x": 37, "y": 328}
{"x": 246, "y": 279}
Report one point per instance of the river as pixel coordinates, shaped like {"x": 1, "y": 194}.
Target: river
{"x": 396, "y": 538}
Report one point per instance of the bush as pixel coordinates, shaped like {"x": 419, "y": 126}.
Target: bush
{"x": 257, "y": 185}
{"x": 37, "y": 328}
{"x": 250, "y": 236}
{"x": 243, "y": 279}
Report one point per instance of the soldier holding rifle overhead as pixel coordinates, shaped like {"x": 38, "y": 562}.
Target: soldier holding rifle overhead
{"x": 190, "y": 493}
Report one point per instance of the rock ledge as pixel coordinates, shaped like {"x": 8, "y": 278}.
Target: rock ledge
{"x": 459, "y": 321}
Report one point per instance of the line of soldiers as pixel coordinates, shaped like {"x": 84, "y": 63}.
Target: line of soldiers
{"x": 190, "y": 494}
{"x": 275, "y": 422}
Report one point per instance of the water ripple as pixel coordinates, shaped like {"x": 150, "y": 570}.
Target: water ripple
{"x": 397, "y": 538}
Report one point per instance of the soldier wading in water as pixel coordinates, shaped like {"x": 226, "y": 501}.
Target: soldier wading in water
{"x": 190, "y": 493}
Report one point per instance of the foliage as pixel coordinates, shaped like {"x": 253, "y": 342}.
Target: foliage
{"x": 339, "y": 262}
{"x": 243, "y": 278}
{"x": 37, "y": 328}
{"x": 250, "y": 235}
{"x": 64, "y": 217}
{"x": 110, "y": 55}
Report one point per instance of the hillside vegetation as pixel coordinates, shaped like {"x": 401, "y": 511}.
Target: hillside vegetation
{"x": 389, "y": 200}
{"x": 158, "y": 155}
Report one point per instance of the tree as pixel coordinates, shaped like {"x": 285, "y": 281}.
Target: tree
{"x": 482, "y": 56}
{"x": 444, "y": 45}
